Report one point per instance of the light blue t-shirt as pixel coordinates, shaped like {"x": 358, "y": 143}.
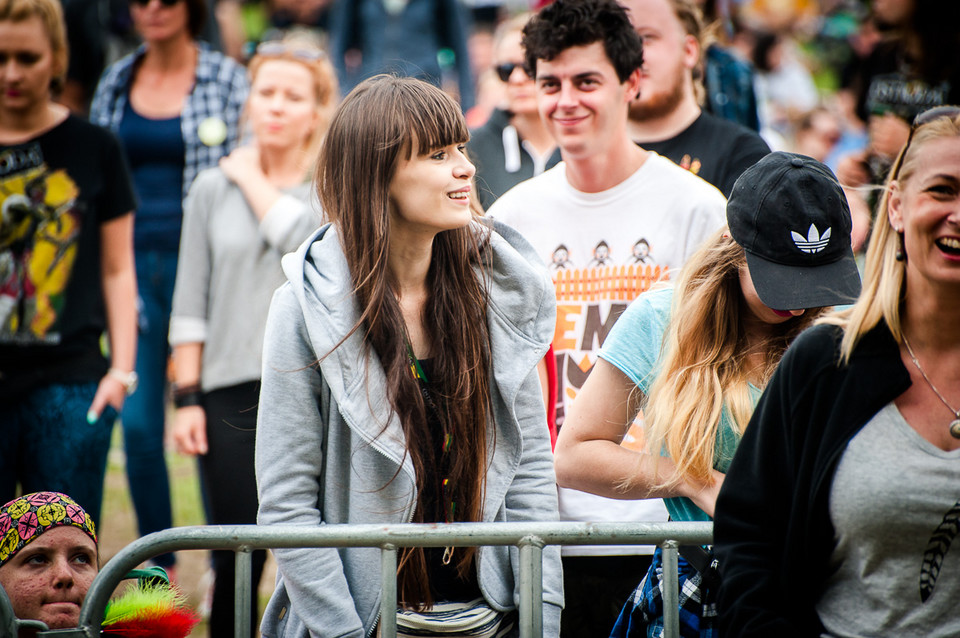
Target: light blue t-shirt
{"x": 634, "y": 346}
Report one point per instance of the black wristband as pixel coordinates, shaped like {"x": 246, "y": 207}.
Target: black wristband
{"x": 187, "y": 396}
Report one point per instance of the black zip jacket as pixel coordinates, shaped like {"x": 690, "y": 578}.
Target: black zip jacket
{"x": 772, "y": 527}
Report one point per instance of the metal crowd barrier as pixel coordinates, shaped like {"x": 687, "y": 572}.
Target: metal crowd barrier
{"x": 530, "y": 538}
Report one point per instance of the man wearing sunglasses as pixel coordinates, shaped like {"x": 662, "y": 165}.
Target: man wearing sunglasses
{"x": 605, "y": 197}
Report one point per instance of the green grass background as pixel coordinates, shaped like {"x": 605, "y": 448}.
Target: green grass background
{"x": 118, "y": 525}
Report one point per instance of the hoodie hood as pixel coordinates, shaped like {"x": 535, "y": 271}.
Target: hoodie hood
{"x": 521, "y": 315}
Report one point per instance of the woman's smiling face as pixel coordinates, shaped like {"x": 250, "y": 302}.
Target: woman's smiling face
{"x": 926, "y": 207}
{"x": 431, "y": 193}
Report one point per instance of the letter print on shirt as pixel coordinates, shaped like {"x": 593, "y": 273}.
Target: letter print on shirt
{"x": 590, "y": 298}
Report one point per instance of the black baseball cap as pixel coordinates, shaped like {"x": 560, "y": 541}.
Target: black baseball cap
{"x": 792, "y": 219}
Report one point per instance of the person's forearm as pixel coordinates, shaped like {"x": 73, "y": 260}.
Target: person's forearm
{"x": 605, "y": 468}
{"x": 260, "y": 194}
{"x": 187, "y": 362}
{"x": 119, "y": 283}
{"x": 119, "y": 295}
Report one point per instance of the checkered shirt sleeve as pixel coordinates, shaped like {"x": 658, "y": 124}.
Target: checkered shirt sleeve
{"x": 219, "y": 92}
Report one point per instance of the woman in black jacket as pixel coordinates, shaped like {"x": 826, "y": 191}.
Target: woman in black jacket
{"x": 838, "y": 511}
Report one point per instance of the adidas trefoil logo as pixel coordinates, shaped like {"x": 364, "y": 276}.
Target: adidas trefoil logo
{"x": 814, "y": 242}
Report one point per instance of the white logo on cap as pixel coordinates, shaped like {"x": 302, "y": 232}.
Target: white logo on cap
{"x": 814, "y": 242}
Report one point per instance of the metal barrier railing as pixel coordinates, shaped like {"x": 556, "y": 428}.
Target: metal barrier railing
{"x": 530, "y": 538}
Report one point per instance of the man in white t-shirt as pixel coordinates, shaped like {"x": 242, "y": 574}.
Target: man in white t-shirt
{"x": 609, "y": 221}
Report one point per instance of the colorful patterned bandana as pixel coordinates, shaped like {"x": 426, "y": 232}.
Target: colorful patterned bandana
{"x": 23, "y": 519}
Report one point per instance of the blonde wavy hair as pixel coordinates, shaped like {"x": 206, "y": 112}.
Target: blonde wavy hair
{"x": 884, "y": 280}
{"x": 703, "y": 367}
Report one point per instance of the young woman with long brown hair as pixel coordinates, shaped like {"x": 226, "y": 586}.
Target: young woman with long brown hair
{"x": 400, "y": 377}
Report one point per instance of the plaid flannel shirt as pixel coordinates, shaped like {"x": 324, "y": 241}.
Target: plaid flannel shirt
{"x": 642, "y": 615}
{"x": 219, "y": 91}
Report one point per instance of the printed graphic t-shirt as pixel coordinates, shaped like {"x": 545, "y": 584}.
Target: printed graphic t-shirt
{"x": 603, "y": 250}
{"x": 55, "y": 192}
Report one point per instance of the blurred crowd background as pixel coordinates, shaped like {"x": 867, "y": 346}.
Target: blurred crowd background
{"x": 838, "y": 80}
{"x": 813, "y": 60}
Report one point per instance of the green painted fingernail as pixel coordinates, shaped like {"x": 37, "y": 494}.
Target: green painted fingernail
{"x": 91, "y": 417}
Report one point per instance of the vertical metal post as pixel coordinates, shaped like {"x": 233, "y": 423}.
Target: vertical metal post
{"x": 388, "y": 601}
{"x": 671, "y": 590}
{"x": 242, "y": 586}
{"x": 531, "y": 588}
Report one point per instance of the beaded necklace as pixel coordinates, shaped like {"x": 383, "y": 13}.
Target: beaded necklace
{"x": 421, "y": 377}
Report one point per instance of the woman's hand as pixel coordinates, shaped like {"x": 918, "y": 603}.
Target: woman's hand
{"x": 243, "y": 168}
{"x": 242, "y": 165}
{"x": 110, "y": 391}
{"x": 705, "y": 496}
{"x": 862, "y": 219}
{"x": 190, "y": 430}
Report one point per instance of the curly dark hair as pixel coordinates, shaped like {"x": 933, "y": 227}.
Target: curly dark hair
{"x": 571, "y": 23}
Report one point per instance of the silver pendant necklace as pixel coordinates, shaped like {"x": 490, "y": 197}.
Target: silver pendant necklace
{"x": 955, "y": 424}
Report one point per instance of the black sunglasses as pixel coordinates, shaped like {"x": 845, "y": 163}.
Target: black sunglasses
{"x": 504, "y": 71}
{"x": 924, "y": 117}
{"x": 166, "y": 3}
{"x": 276, "y": 48}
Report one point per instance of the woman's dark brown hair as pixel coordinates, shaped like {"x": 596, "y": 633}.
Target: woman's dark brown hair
{"x": 196, "y": 16}
{"x": 382, "y": 121}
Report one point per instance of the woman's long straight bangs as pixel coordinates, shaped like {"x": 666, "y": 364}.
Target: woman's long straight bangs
{"x": 383, "y": 120}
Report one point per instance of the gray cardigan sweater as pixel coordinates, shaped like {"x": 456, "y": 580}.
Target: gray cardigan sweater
{"x": 324, "y": 456}
{"x": 228, "y": 269}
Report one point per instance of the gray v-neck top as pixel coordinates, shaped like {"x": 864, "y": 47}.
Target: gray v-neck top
{"x": 895, "y": 506}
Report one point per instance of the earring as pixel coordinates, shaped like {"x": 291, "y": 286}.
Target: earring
{"x": 901, "y": 254}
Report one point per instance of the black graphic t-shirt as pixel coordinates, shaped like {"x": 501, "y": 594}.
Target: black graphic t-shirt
{"x": 715, "y": 149}
{"x": 888, "y": 85}
{"x": 55, "y": 192}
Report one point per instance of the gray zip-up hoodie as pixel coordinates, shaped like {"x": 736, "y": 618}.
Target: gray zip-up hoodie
{"x": 324, "y": 456}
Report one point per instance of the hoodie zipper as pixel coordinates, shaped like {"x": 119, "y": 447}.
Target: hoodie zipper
{"x": 376, "y": 621}
{"x": 393, "y": 460}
